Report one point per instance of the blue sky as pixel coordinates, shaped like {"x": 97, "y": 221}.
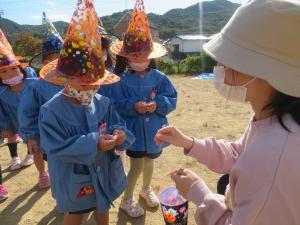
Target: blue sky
{"x": 30, "y": 11}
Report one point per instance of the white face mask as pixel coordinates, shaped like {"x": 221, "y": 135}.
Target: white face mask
{"x": 14, "y": 80}
{"x": 84, "y": 97}
{"x": 232, "y": 93}
{"x": 139, "y": 66}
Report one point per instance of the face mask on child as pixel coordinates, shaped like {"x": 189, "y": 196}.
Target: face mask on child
{"x": 232, "y": 93}
{"x": 84, "y": 97}
{"x": 14, "y": 80}
{"x": 139, "y": 66}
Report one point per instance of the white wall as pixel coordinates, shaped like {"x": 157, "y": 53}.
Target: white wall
{"x": 188, "y": 46}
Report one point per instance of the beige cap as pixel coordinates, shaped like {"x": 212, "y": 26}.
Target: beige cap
{"x": 262, "y": 39}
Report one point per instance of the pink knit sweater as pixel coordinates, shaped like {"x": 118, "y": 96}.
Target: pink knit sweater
{"x": 264, "y": 167}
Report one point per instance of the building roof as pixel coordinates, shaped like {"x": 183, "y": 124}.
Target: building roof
{"x": 194, "y": 37}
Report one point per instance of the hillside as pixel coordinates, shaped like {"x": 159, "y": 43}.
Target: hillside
{"x": 176, "y": 21}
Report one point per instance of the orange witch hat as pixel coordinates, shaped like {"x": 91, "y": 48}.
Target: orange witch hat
{"x": 138, "y": 41}
{"x": 81, "y": 60}
{"x": 7, "y": 56}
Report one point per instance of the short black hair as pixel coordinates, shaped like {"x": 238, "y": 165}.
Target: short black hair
{"x": 281, "y": 105}
{"x": 105, "y": 45}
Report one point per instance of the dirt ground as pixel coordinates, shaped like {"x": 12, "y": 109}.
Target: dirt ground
{"x": 200, "y": 113}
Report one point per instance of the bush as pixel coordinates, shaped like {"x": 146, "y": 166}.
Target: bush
{"x": 166, "y": 66}
{"x": 193, "y": 64}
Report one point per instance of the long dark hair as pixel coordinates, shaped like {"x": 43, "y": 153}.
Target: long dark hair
{"x": 23, "y": 71}
{"x": 122, "y": 65}
{"x": 282, "y": 104}
{"x": 105, "y": 45}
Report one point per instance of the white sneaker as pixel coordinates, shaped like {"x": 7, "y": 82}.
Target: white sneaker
{"x": 15, "y": 163}
{"x": 27, "y": 161}
{"x": 132, "y": 208}
{"x": 150, "y": 197}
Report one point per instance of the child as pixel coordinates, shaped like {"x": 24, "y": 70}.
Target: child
{"x": 259, "y": 64}
{"x": 79, "y": 129}
{"x": 143, "y": 97}
{"x": 13, "y": 82}
{"x": 35, "y": 96}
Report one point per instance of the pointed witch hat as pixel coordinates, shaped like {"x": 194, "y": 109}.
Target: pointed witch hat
{"x": 52, "y": 43}
{"x": 81, "y": 60}
{"x": 7, "y": 56}
{"x": 138, "y": 41}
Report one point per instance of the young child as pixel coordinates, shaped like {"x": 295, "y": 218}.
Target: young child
{"x": 80, "y": 129}
{"x": 35, "y": 96}
{"x": 143, "y": 97}
{"x": 258, "y": 63}
{"x": 13, "y": 84}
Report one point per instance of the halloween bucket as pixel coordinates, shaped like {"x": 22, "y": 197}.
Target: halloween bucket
{"x": 174, "y": 207}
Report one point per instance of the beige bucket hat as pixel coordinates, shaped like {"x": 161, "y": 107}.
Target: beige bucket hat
{"x": 262, "y": 39}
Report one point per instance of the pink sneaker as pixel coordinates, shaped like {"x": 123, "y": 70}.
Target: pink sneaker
{"x": 44, "y": 181}
{"x": 3, "y": 193}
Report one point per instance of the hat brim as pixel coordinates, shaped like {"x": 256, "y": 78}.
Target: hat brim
{"x": 50, "y": 74}
{"x": 13, "y": 65}
{"x": 249, "y": 60}
{"x": 36, "y": 61}
{"x": 157, "y": 52}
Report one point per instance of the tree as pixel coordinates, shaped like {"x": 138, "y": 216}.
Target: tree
{"x": 27, "y": 45}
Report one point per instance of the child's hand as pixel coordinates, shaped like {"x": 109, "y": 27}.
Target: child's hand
{"x": 141, "y": 107}
{"x": 173, "y": 136}
{"x": 151, "y": 107}
{"x": 106, "y": 142}
{"x": 120, "y": 137}
{"x": 33, "y": 146}
{"x": 7, "y": 133}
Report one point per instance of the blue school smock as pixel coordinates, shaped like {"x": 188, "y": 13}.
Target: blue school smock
{"x": 134, "y": 88}
{"x": 69, "y": 136}
{"x": 9, "y": 102}
{"x": 33, "y": 98}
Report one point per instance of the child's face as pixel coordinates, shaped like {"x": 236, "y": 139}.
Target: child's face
{"x": 9, "y": 72}
{"x": 139, "y": 65}
{"x": 86, "y": 87}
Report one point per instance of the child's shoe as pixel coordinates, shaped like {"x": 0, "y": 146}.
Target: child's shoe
{"x": 28, "y": 160}
{"x": 15, "y": 163}
{"x": 132, "y": 208}
{"x": 44, "y": 181}
{"x": 150, "y": 197}
{"x": 3, "y": 193}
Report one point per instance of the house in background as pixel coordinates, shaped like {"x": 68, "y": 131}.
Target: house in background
{"x": 121, "y": 27}
{"x": 188, "y": 44}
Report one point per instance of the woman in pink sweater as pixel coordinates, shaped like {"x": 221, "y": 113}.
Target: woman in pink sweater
{"x": 259, "y": 62}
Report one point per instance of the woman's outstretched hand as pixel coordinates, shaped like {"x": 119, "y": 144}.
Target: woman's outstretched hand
{"x": 173, "y": 136}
